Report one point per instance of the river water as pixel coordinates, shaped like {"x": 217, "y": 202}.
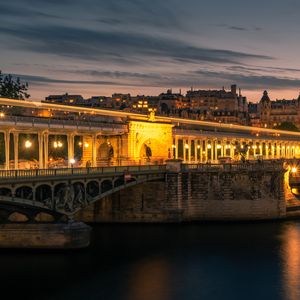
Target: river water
{"x": 162, "y": 262}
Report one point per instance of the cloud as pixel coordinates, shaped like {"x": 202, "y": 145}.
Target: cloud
{"x": 102, "y": 45}
{"x": 252, "y": 82}
{"x": 237, "y": 28}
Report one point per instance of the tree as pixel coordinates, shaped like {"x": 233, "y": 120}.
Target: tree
{"x": 289, "y": 126}
{"x": 13, "y": 88}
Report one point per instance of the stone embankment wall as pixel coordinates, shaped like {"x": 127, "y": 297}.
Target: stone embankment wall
{"x": 198, "y": 195}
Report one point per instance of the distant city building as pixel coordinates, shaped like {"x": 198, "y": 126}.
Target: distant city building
{"x": 225, "y": 106}
{"x": 274, "y": 113}
{"x": 64, "y": 99}
{"x": 219, "y": 105}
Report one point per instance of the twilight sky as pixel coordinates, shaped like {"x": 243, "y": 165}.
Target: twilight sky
{"x": 96, "y": 47}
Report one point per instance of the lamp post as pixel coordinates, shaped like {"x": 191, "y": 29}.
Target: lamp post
{"x": 72, "y": 162}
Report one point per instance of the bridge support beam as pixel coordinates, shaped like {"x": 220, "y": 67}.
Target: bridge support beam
{"x": 70, "y": 149}
{"x": 7, "y": 149}
{"x": 40, "y": 141}
{"x": 16, "y": 150}
{"x": 46, "y": 146}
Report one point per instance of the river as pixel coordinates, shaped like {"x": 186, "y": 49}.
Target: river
{"x": 163, "y": 262}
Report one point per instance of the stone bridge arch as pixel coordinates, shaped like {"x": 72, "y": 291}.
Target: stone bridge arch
{"x": 24, "y": 192}
{"x": 157, "y": 135}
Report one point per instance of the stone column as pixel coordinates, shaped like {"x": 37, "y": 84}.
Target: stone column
{"x": 223, "y": 149}
{"x": 184, "y": 150}
{"x": 203, "y": 148}
{"x": 7, "y": 148}
{"x": 40, "y": 142}
{"x": 190, "y": 149}
{"x": 46, "y": 152}
{"x": 267, "y": 149}
{"x": 260, "y": 145}
{"x": 199, "y": 151}
{"x": 216, "y": 150}
{"x": 118, "y": 150}
{"x": 16, "y": 150}
{"x": 94, "y": 149}
{"x": 176, "y": 147}
{"x": 70, "y": 138}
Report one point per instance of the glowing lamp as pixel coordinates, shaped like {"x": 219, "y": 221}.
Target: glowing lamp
{"x": 294, "y": 170}
{"x": 28, "y": 144}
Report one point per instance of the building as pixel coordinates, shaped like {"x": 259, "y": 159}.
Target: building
{"x": 274, "y": 113}
{"x": 210, "y": 105}
{"x": 219, "y": 105}
{"x": 64, "y": 99}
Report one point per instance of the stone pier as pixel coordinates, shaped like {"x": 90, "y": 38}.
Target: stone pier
{"x": 70, "y": 235}
{"x": 200, "y": 193}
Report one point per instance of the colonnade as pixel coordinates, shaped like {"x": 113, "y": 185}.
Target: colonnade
{"x": 191, "y": 149}
{"x": 43, "y": 146}
{"x": 204, "y": 149}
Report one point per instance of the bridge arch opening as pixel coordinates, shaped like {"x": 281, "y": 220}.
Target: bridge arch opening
{"x": 24, "y": 192}
{"x": 106, "y": 185}
{"x": 150, "y": 150}
{"x": 106, "y": 153}
{"x": 43, "y": 193}
{"x": 28, "y": 149}
{"x": 93, "y": 189}
{"x": 5, "y": 192}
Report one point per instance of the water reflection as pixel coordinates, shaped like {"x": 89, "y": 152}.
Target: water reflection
{"x": 291, "y": 261}
{"x": 177, "y": 262}
{"x": 149, "y": 279}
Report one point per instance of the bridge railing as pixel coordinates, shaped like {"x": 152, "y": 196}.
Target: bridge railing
{"x": 254, "y": 166}
{"x": 79, "y": 171}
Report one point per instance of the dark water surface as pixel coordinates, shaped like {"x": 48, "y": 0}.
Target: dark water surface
{"x": 155, "y": 262}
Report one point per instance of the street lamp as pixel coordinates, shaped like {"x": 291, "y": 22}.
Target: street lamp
{"x": 72, "y": 162}
{"x": 28, "y": 144}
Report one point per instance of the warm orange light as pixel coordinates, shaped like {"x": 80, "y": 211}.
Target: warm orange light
{"x": 28, "y": 144}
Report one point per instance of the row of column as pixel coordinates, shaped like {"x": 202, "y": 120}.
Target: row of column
{"x": 43, "y": 149}
{"x": 201, "y": 150}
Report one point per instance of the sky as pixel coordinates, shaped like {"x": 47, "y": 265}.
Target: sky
{"x": 97, "y": 47}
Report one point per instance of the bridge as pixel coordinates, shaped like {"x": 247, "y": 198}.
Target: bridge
{"x": 60, "y": 163}
{"x": 51, "y": 195}
{"x": 54, "y": 136}
{"x": 56, "y": 193}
